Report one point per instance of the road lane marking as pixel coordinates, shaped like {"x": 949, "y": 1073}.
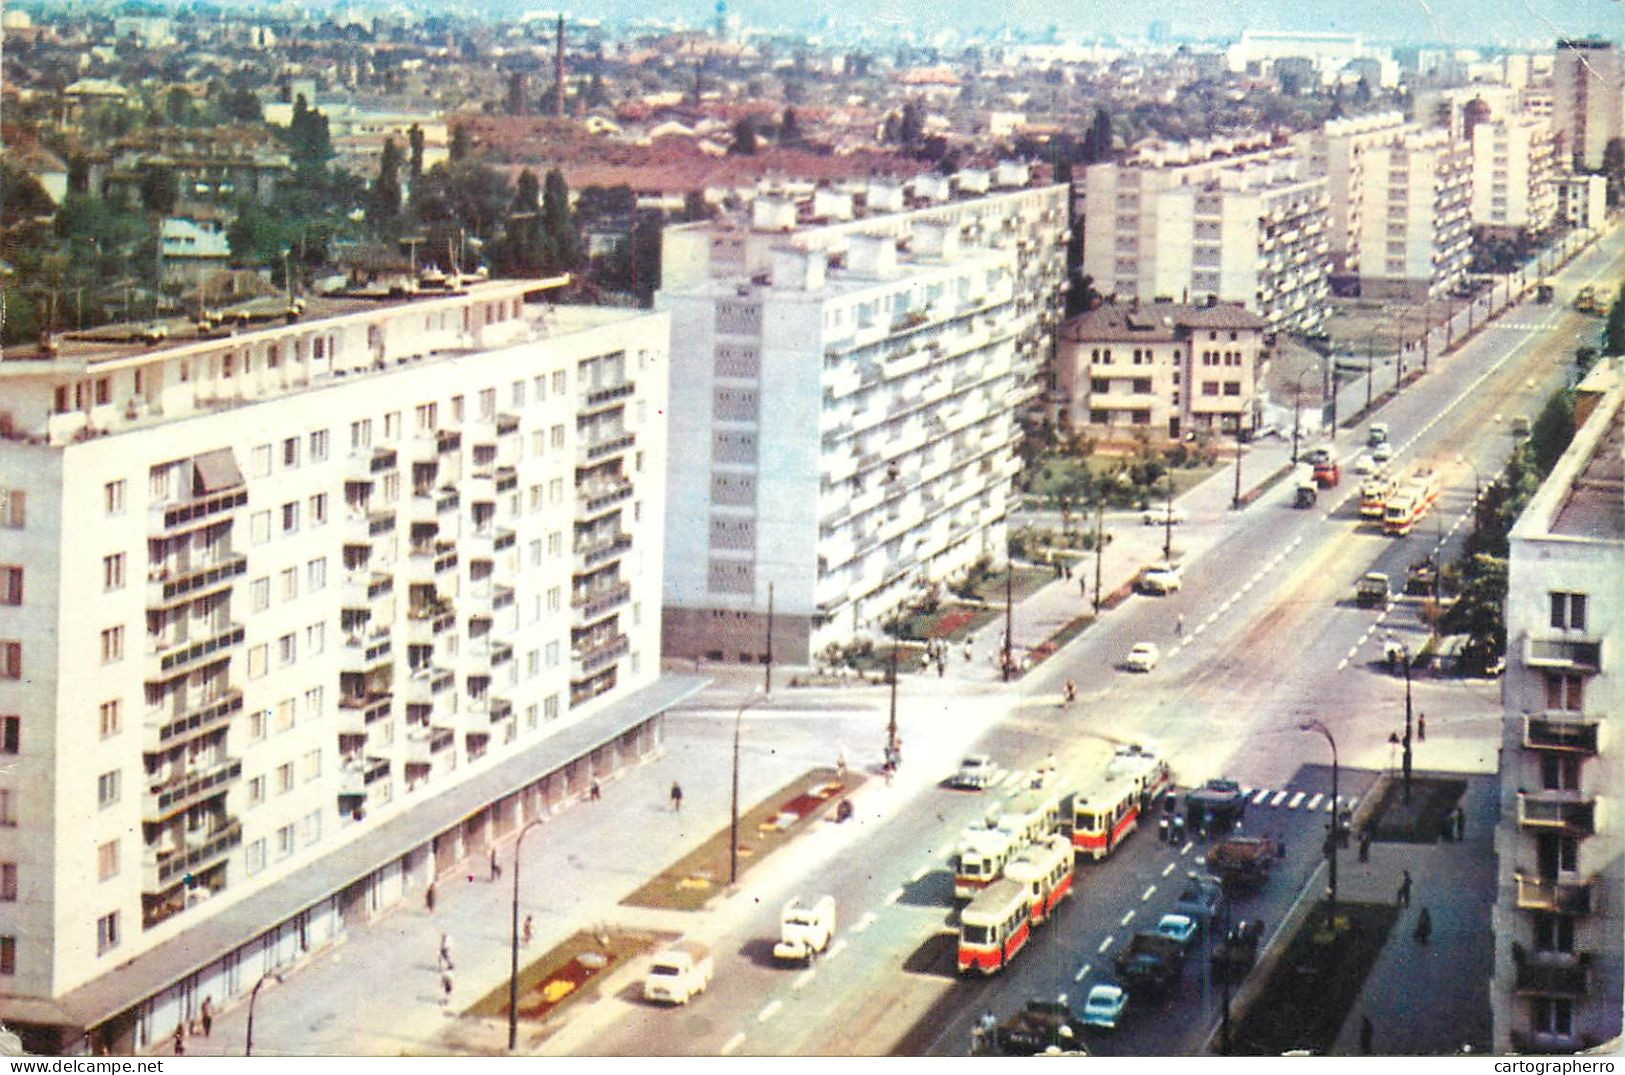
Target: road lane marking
{"x": 1279, "y": 795}
{"x": 1316, "y": 802}
{"x": 893, "y": 896}
{"x": 803, "y": 978}
{"x": 770, "y": 1011}
{"x": 1263, "y": 793}
{"x": 1105, "y": 944}
{"x": 1127, "y": 918}
{"x": 864, "y": 923}
{"x": 1083, "y": 972}
{"x": 921, "y": 872}
{"x": 1210, "y": 620}
{"x": 835, "y": 949}
{"x": 733, "y": 1043}
{"x": 1168, "y": 869}
{"x": 1188, "y": 845}
{"x": 1199, "y": 629}
{"x": 1344, "y": 663}
{"x": 1296, "y": 799}
{"x": 1147, "y": 894}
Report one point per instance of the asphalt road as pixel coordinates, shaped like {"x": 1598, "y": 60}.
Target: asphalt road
{"x": 1271, "y": 638}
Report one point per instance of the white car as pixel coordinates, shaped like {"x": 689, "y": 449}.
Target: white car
{"x": 1181, "y": 928}
{"x": 1104, "y": 1007}
{"x": 1143, "y": 657}
{"x": 975, "y": 773}
{"x": 1382, "y": 452}
{"x": 1160, "y": 578}
{"x": 1366, "y": 465}
{"x": 1160, "y": 516}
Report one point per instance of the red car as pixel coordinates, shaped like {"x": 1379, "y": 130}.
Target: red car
{"x": 1327, "y": 473}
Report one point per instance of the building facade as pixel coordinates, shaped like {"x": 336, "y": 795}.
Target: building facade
{"x": 1588, "y": 99}
{"x": 1557, "y": 985}
{"x": 1230, "y": 220}
{"x": 296, "y": 617}
{"x": 1161, "y": 368}
{"x": 1514, "y": 182}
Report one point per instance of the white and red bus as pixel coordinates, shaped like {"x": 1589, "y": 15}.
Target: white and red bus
{"x": 1034, "y": 814}
{"x": 1150, "y": 773}
{"x": 1410, "y": 502}
{"x": 995, "y": 926}
{"x": 982, "y": 855}
{"x": 1104, "y": 813}
{"x": 1046, "y": 869}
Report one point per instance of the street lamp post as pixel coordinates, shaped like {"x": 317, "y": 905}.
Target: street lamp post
{"x": 1009, "y": 614}
{"x": 1235, "y": 501}
{"x": 891, "y": 719}
{"x": 1168, "y": 523}
{"x": 1337, "y": 818}
{"x": 1100, "y": 540}
{"x": 513, "y": 946}
{"x": 1370, "y": 364}
{"x": 253, "y": 997}
{"x": 1405, "y": 656}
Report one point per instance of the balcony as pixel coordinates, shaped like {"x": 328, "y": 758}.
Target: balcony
{"x": 179, "y": 655}
{"x": 357, "y": 775}
{"x": 365, "y": 463}
{"x": 1552, "y": 974}
{"x": 165, "y": 800}
{"x": 592, "y": 553}
{"x": 169, "y": 586}
{"x": 588, "y": 659}
{"x": 200, "y": 720}
{"x": 603, "y": 399}
{"x": 598, "y": 497}
{"x": 365, "y": 652}
{"x": 161, "y": 870}
{"x": 1548, "y": 732}
{"x": 594, "y": 606}
{"x": 1536, "y": 893}
{"x": 422, "y": 744}
{"x": 422, "y": 684}
{"x": 604, "y": 449}
{"x": 169, "y": 519}
{"x": 356, "y": 712}
{"x": 1570, "y": 812}
{"x": 1562, "y": 655}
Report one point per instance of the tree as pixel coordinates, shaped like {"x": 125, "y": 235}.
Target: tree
{"x": 1550, "y": 435}
{"x": 384, "y": 201}
{"x": 309, "y": 143}
{"x": 911, "y": 126}
{"x": 516, "y": 93}
{"x": 744, "y": 143}
{"x": 1097, "y": 144}
{"x": 460, "y": 143}
{"x": 414, "y": 140}
{"x": 159, "y": 189}
{"x": 25, "y": 200}
{"x": 527, "y": 193}
{"x": 1613, "y": 336}
{"x": 789, "y": 128}
{"x": 558, "y": 223}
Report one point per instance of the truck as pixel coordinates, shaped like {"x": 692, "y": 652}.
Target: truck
{"x": 678, "y": 973}
{"x": 1327, "y": 472}
{"x": 1041, "y": 1025}
{"x": 1586, "y": 301}
{"x": 1305, "y": 492}
{"x": 1151, "y": 962}
{"x": 1242, "y": 862}
{"x": 1216, "y": 807}
{"x": 805, "y": 929}
{"x": 1372, "y": 590}
{"x": 1235, "y": 953}
{"x": 1421, "y": 578}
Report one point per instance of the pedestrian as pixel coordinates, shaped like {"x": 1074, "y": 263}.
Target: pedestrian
{"x": 676, "y": 797}
{"x": 1421, "y": 726}
{"x": 1461, "y": 824}
{"x": 1404, "y": 899}
{"x": 594, "y": 792}
{"x": 428, "y": 897}
{"x": 496, "y": 867}
{"x": 180, "y": 1039}
{"x": 1083, "y": 586}
{"x": 207, "y": 1015}
{"x": 1179, "y": 626}
{"x": 525, "y": 934}
{"x": 840, "y": 765}
{"x": 445, "y": 987}
{"x": 1424, "y": 926}
{"x": 445, "y": 951}
{"x": 1365, "y": 1034}
{"x": 1365, "y": 845}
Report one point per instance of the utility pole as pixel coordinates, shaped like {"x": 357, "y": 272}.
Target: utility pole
{"x": 1370, "y": 346}
{"x": 1168, "y": 523}
{"x": 767, "y": 658}
{"x": 1100, "y": 541}
{"x": 1405, "y": 655}
{"x": 1009, "y": 610}
{"x": 1235, "y": 501}
{"x": 891, "y": 720}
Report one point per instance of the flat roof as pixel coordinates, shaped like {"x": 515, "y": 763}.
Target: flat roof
{"x": 1595, "y": 504}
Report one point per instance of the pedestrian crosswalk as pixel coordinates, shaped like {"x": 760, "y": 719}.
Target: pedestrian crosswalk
{"x": 1005, "y": 781}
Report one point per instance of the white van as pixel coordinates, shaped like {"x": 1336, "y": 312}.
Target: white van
{"x": 679, "y": 972}
{"x": 805, "y": 928}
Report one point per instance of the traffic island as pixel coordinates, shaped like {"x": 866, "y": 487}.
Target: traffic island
{"x": 1425, "y": 817}
{"x": 1303, "y": 1003}
{"x": 695, "y": 879}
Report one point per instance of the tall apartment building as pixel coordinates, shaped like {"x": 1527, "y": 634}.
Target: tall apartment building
{"x": 1400, "y": 203}
{"x": 1557, "y": 985}
{"x": 1233, "y": 220}
{"x": 847, "y": 378}
{"x": 1514, "y": 180}
{"x": 1581, "y": 200}
{"x": 1588, "y": 98}
{"x": 1162, "y": 367}
{"x": 293, "y": 619}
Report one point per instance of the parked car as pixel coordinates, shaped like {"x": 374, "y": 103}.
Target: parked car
{"x": 1200, "y": 898}
{"x": 1178, "y": 927}
{"x": 1160, "y": 578}
{"x": 1103, "y": 1007}
{"x": 1143, "y": 657}
{"x": 1161, "y": 516}
{"x": 975, "y": 773}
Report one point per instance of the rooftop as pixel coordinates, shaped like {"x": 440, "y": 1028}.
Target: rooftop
{"x": 1156, "y": 321}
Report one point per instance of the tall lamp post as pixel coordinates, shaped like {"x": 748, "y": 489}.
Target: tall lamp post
{"x": 1405, "y": 656}
{"x": 1337, "y": 818}
{"x": 1168, "y": 524}
{"x": 1297, "y": 400}
{"x": 1235, "y": 500}
{"x": 733, "y": 809}
{"x": 891, "y": 718}
{"x": 253, "y": 997}
{"x": 513, "y": 945}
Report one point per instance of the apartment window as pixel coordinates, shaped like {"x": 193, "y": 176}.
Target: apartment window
{"x": 256, "y": 661}
{"x": 1565, "y": 692}
{"x": 1232, "y": 388}
{"x": 488, "y": 403}
{"x": 284, "y": 715}
{"x": 318, "y": 510}
{"x": 11, "y": 660}
{"x": 555, "y": 599}
{"x": 287, "y": 650}
{"x": 1568, "y": 611}
{"x": 518, "y": 393}
{"x": 112, "y": 572}
{"x": 552, "y": 650}
{"x": 256, "y": 790}
{"x": 318, "y": 446}
{"x": 1559, "y": 773}
{"x": 1548, "y": 1015}
{"x": 316, "y": 574}
{"x": 290, "y": 452}
{"x": 1210, "y": 388}
{"x": 1142, "y": 385}
{"x": 11, "y": 734}
{"x": 555, "y": 544}
{"x": 284, "y": 778}
{"x": 107, "y": 788}
{"x": 112, "y": 645}
{"x": 261, "y": 466}
{"x": 110, "y": 720}
{"x": 260, "y": 592}
{"x": 290, "y": 583}
{"x": 313, "y": 703}
{"x": 7, "y": 817}
{"x": 558, "y": 383}
{"x": 538, "y": 441}
{"x": 259, "y": 527}
{"x": 555, "y": 491}
{"x": 533, "y": 663}
{"x": 361, "y": 434}
{"x": 1100, "y": 384}
{"x": 457, "y": 409}
{"x": 11, "y": 584}
{"x": 8, "y": 882}
{"x": 550, "y": 707}
{"x": 290, "y": 518}
{"x": 311, "y": 827}
{"x": 284, "y": 841}
{"x": 113, "y": 497}
{"x": 426, "y": 418}
{"x": 13, "y": 510}
{"x": 556, "y": 435}
{"x": 313, "y": 765}
{"x": 315, "y": 638}
{"x": 254, "y": 856}
{"x": 1553, "y": 932}
{"x": 107, "y": 860}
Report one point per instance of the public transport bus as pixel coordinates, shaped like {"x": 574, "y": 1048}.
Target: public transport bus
{"x": 1046, "y": 869}
{"x": 994, "y": 927}
{"x": 1410, "y": 502}
{"x": 1033, "y": 814}
{"x": 1104, "y": 814}
{"x": 1149, "y": 772}
{"x": 1374, "y": 495}
{"x": 981, "y": 859}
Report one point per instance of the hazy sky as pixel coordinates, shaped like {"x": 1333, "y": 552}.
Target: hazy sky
{"x": 1459, "y": 21}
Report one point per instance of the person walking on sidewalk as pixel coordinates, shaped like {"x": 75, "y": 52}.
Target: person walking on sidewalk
{"x": 1422, "y": 727}
{"x": 676, "y": 797}
{"x": 595, "y": 793}
{"x": 428, "y": 897}
{"x": 180, "y": 1039}
{"x": 1461, "y": 824}
{"x": 445, "y": 987}
{"x": 496, "y": 867}
{"x": 445, "y": 951}
{"x": 527, "y": 932}
{"x": 1404, "y": 899}
{"x": 206, "y": 1015}
{"x": 1365, "y": 844}
{"x": 1179, "y": 626}
{"x": 1424, "y": 926}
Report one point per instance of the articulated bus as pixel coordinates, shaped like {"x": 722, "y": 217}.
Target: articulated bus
{"x": 1375, "y": 493}
{"x": 981, "y": 859}
{"x": 1033, "y": 815}
{"x": 995, "y": 926}
{"x": 1046, "y": 869}
{"x": 1410, "y": 502}
{"x": 1149, "y": 772}
{"x": 1105, "y": 813}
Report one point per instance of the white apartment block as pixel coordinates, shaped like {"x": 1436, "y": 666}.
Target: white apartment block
{"x": 1331, "y": 54}
{"x": 1557, "y": 922}
{"x": 1513, "y": 174}
{"x": 1163, "y": 368}
{"x": 1401, "y": 198}
{"x": 1233, "y": 220}
{"x": 1588, "y": 98}
{"x": 1581, "y": 200}
{"x": 293, "y": 619}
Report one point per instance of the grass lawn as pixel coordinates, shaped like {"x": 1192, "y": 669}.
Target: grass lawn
{"x": 1027, "y": 581}
{"x": 1053, "y": 473}
{"x": 952, "y": 622}
{"x": 566, "y": 972}
{"x": 1433, "y": 800}
{"x": 1312, "y": 987}
{"x": 691, "y": 881}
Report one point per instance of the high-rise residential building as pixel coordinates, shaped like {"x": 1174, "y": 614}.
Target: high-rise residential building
{"x": 1588, "y": 98}
{"x": 1581, "y": 200}
{"x": 1557, "y": 921}
{"x": 293, "y": 617}
{"x": 844, "y": 407}
{"x": 1234, "y": 220}
{"x": 1514, "y": 188}
{"x": 1161, "y": 367}
{"x": 1401, "y": 197}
